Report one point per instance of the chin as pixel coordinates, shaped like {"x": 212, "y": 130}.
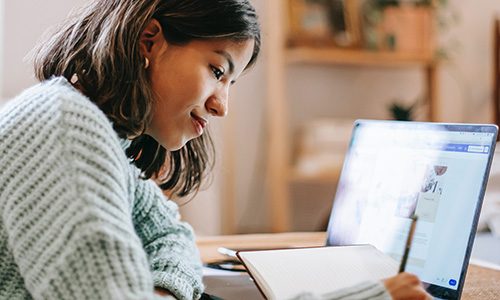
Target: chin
{"x": 173, "y": 147}
{"x": 176, "y": 145}
{"x": 176, "y": 148}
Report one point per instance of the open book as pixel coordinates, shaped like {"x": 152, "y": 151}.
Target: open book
{"x": 285, "y": 273}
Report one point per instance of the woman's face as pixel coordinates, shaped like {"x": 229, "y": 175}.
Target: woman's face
{"x": 191, "y": 85}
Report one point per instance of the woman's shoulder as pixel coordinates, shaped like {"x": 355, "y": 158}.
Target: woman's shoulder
{"x": 54, "y": 103}
{"x": 54, "y": 114}
{"x": 57, "y": 96}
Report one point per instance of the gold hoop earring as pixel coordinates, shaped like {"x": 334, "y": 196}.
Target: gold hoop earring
{"x": 146, "y": 62}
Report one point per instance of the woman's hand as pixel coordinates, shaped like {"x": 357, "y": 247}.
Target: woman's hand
{"x": 406, "y": 286}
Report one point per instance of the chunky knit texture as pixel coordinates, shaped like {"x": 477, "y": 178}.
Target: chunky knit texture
{"x": 76, "y": 222}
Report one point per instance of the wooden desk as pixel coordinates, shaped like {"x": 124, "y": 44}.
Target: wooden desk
{"x": 480, "y": 283}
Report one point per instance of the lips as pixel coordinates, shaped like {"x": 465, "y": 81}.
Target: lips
{"x": 199, "y": 123}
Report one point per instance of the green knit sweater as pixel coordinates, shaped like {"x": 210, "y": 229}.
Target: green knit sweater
{"x": 76, "y": 222}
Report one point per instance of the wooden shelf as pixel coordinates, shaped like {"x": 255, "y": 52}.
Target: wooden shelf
{"x": 327, "y": 178}
{"x": 331, "y": 176}
{"x": 356, "y": 57}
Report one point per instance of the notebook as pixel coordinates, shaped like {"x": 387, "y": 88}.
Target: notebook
{"x": 393, "y": 170}
{"x": 436, "y": 171}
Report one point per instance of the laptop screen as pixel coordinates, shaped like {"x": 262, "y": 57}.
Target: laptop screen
{"x": 436, "y": 171}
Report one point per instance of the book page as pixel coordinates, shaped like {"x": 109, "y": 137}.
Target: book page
{"x": 284, "y": 273}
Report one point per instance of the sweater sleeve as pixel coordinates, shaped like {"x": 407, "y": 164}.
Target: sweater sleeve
{"x": 172, "y": 253}
{"x": 67, "y": 216}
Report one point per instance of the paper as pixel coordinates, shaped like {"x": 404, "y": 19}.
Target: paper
{"x": 285, "y": 273}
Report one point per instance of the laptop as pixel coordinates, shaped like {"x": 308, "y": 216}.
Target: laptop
{"x": 436, "y": 171}
{"x": 393, "y": 170}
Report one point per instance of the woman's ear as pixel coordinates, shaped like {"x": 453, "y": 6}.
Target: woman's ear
{"x": 151, "y": 37}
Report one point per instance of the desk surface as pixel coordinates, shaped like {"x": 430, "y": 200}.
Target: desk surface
{"x": 480, "y": 282}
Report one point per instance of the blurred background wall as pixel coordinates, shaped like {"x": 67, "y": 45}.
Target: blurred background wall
{"x": 315, "y": 91}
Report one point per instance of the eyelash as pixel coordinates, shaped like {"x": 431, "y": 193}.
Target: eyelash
{"x": 217, "y": 72}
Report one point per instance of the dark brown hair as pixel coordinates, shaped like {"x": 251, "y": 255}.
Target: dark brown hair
{"x": 99, "y": 44}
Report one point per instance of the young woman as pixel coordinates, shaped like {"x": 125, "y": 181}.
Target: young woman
{"x": 127, "y": 90}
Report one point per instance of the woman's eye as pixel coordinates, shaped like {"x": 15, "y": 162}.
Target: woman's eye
{"x": 217, "y": 72}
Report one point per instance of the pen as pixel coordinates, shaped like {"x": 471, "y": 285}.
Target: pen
{"x": 408, "y": 243}
{"x": 227, "y": 252}
{"x": 227, "y": 265}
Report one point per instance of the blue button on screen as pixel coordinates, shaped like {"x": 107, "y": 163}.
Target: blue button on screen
{"x": 453, "y": 282}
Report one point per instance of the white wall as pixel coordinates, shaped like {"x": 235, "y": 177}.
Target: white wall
{"x": 470, "y": 79}
{"x": 24, "y": 21}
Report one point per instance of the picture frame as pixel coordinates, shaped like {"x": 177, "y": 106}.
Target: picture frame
{"x": 308, "y": 23}
{"x": 325, "y": 23}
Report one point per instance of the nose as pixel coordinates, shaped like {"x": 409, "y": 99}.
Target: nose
{"x": 217, "y": 103}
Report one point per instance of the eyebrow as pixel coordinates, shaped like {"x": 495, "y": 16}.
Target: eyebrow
{"x": 229, "y": 59}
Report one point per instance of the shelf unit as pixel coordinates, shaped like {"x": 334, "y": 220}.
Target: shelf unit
{"x": 280, "y": 172}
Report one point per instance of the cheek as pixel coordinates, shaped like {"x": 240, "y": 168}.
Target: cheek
{"x": 190, "y": 93}
{"x": 159, "y": 85}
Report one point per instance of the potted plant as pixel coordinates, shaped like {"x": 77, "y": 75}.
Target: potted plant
{"x": 406, "y": 25}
